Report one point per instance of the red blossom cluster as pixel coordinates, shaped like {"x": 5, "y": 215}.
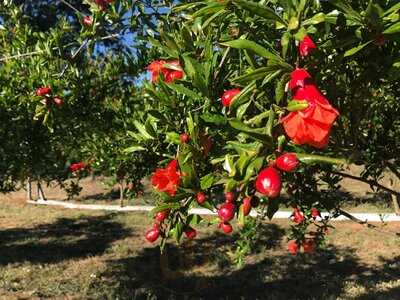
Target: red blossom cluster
{"x": 77, "y": 166}
{"x": 46, "y": 92}
{"x": 171, "y": 70}
{"x": 167, "y": 180}
{"x": 306, "y": 46}
{"x": 311, "y": 125}
{"x": 308, "y": 246}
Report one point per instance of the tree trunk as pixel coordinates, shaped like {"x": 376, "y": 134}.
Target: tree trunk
{"x": 121, "y": 193}
{"x": 395, "y": 200}
{"x": 40, "y": 192}
{"x": 29, "y": 189}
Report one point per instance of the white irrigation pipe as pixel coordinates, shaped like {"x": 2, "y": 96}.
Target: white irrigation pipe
{"x": 370, "y": 217}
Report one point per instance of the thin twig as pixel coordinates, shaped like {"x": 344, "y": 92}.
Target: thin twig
{"x": 370, "y": 182}
{"x": 72, "y": 7}
{"x": 108, "y": 37}
{"x": 366, "y": 224}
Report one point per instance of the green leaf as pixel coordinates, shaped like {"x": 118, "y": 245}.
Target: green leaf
{"x": 242, "y": 163}
{"x": 314, "y": 20}
{"x": 354, "y": 50}
{"x": 259, "y": 10}
{"x": 195, "y": 72}
{"x": 280, "y": 88}
{"x": 177, "y": 231}
{"x": 257, "y": 74}
{"x": 251, "y": 148}
{"x": 194, "y": 220}
{"x": 293, "y": 23}
{"x": 271, "y": 122}
{"x": 173, "y": 137}
{"x": 273, "y": 207}
{"x": 207, "y": 181}
{"x": 395, "y": 28}
{"x": 393, "y": 8}
{"x": 142, "y": 130}
{"x": 215, "y": 119}
{"x": 183, "y": 90}
{"x": 253, "y": 46}
{"x": 315, "y": 159}
{"x": 192, "y": 128}
{"x": 347, "y": 9}
{"x": 254, "y": 167}
{"x": 242, "y": 110}
{"x": 135, "y": 148}
{"x": 229, "y": 166}
{"x": 296, "y": 105}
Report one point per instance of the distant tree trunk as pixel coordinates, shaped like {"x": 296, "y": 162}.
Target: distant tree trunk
{"x": 121, "y": 193}
{"x": 395, "y": 200}
{"x": 29, "y": 189}
{"x": 40, "y": 192}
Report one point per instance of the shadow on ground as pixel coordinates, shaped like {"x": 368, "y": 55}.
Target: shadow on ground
{"x": 322, "y": 276}
{"x": 63, "y": 240}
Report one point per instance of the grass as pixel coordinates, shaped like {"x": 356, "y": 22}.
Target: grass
{"x": 60, "y": 253}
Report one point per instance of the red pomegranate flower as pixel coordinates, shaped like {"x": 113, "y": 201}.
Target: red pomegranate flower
{"x": 306, "y": 46}
{"x": 315, "y": 213}
{"x": 43, "y": 91}
{"x": 77, "y": 166}
{"x": 312, "y": 125}
{"x": 171, "y": 70}
{"x": 228, "y": 96}
{"x": 167, "y": 179}
{"x": 298, "y": 216}
{"x": 309, "y": 246}
{"x": 293, "y": 247}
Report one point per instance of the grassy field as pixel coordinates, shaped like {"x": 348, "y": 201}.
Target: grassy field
{"x": 66, "y": 254}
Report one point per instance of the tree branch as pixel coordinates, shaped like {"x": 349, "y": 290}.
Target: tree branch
{"x": 366, "y": 224}
{"x": 370, "y": 182}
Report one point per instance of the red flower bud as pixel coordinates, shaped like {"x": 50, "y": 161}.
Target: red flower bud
{"x": 152, "y": 235}
{"x": 298, "y": 216}
{"x": 190, "y": 233}
{"x": 229, "y": 197}
{"x": 225, "y": 227}
{"x": 58, "y": 101}
{"x": 184, "y": 137}
{"x": 287, "y": 162}
{"x": 306, "y": 46}
{"x": 228, "y": 96}
{"x": 161, "y": 215}
{"x": 315, "y": 213}
{"x": 380, "y": 40}
{"x": 309, "y": 246}
{"x": 246, "y": 206}
{"x": 226, "y": 212}
{"x": 201, "y": 197}
{"x": 293, "y": 247}
{"x": 173, "y": 75}
{"x": 268, "y": 182}
{"x": 87, "y": 21}
{"x": 43, "y": 91}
